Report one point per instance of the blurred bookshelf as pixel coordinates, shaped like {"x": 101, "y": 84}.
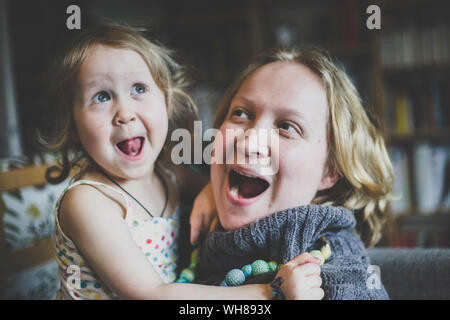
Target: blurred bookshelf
{"x": 414, "y": 108}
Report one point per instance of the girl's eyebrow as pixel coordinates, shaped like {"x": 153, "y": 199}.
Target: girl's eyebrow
{"x": 98, "y": 80}
{"x": 108, "y": 78}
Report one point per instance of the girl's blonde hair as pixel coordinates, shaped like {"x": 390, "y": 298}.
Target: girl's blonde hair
{"x": 356, "y": 148}
{"x": 168, "y": 75}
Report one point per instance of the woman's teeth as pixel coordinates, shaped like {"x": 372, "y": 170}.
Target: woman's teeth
{"x": 244, "y": 186}
{"x": 235, "y": 191}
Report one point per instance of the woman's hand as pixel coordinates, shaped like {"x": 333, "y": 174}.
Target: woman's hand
{"x": 301, "y": 278}
{"x": 204, "y": 215}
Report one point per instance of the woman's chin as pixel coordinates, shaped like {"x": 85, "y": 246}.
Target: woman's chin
{"x": 235, "y": 221}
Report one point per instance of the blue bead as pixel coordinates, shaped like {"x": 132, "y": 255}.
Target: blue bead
{"x": 188, "y": 275}
{"x": 260, "y": 267}
{"x": 223, "y": 284}
{"x": 235, "y": 277}
{"x": 247, "y": 270}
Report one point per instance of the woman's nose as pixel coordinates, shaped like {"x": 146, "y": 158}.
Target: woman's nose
{"x": 256, "y": 143}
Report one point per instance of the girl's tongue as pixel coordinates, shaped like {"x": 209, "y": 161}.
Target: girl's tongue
{"x": 131, "y": 146}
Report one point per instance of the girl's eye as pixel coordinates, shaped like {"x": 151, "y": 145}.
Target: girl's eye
{"x": 138, "y": 89}
{"x": 101, "y": 97}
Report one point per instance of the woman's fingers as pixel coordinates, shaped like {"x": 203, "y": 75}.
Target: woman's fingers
{"x": 203, "y": 213}
{"x": 213, "y": 224}
{"x": 196, "y": 221}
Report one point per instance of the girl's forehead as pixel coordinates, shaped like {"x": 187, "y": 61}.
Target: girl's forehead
{"x": 104, "y": 63}
{"x": 112, "y": 58}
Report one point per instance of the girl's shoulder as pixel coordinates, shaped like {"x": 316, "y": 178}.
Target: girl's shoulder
{"x": 88, "y": 201}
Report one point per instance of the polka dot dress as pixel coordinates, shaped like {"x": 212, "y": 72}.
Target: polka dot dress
{"x": 155, "y": 236}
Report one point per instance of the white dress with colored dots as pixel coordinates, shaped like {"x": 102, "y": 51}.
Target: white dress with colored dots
{"x": 155, "y": 236}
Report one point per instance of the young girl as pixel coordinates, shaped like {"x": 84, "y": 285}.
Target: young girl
{"x": 118, "y": 95}
{"x": 333, "y": 174}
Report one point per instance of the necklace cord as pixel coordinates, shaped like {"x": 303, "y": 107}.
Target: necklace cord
{"x": 166, "y": 192}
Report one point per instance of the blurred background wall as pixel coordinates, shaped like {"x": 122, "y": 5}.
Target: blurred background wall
{"x": 401, "y": 72}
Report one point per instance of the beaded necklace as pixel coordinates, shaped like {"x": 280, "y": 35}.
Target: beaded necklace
{"x": 237, "y": 277}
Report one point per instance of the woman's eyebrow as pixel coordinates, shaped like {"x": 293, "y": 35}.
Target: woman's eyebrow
{"x": 244, "y": 100}
{"x": 279, "y": 109}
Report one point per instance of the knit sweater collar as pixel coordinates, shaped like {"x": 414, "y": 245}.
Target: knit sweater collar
{"x": 274, "y": 237}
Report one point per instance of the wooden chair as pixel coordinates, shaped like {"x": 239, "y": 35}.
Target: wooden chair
{"x": 12, "y": 261}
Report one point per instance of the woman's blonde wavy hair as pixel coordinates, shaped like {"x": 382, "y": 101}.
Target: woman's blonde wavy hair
{"x": 356, "y": 148}
{"x": 168, "y": 75}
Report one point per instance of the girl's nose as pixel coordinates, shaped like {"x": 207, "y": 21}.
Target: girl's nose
{"x": 123, "y": 116}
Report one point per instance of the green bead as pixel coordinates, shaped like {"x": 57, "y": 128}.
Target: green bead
{"x": 194, "y": 256}
{"x": 260, "y": 267}
{"x": 247, "y": 270}
{"x": 326, "y": 251}
{"x": 317, "y": 254}
{"x": 273, "y": 266}
{"x": 235, "y": 277}
{"x": 188, "y": 275}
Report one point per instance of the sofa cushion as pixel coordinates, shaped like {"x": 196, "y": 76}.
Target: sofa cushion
{"x": 413, "y": 273}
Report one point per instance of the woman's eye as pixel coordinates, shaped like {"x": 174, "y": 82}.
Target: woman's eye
{"x": 286, "y": 126}
{"x": 101, "y": 97}
{"x": 239, "y": 113}
{"x": 138, "y": 89}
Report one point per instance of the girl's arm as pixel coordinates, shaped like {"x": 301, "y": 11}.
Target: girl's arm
{"x": 96, "y": 225}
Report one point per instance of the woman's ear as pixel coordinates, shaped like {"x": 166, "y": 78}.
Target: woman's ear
{"x": 329, "y": 179}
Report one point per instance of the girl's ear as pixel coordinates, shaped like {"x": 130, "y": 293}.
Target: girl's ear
{"x": 329, "y": 179}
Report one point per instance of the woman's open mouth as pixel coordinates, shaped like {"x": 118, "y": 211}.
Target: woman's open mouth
{"x": 243, "y": 187}
{"x": 131, "y": 148}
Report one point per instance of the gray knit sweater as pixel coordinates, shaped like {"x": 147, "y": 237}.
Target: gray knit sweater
{"x": 286, "y": 234}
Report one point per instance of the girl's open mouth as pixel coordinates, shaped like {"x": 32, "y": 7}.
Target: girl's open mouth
{"x": 131, "y": 148}
{"x": 245, "y": 187}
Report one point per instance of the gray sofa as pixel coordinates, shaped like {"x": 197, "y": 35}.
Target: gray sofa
{"x": 413, "y": 273}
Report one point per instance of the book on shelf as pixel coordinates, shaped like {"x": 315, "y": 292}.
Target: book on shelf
{"x": 430, "y": 166}
{"x": 416, "y": 46}
{"x": 431, "y": 170}
{"x": 404, "y": 114}
{"x": 417, "y": 108}
{"x": 401, "y": 187}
